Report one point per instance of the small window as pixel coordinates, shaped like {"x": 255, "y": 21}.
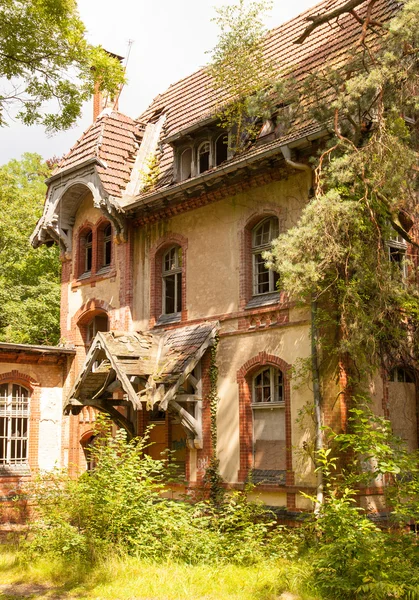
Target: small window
{"x": 88, "y": 251}
{"x": 186, "y": 164}
{"x": 203, "y": 157}
{"x": 172, "y": 281}
{"x": 221, "y": 149}
{"x": 401, "y": 375}
{"x": 14, "y": 423}
{"x": 107, "y": 245}
{"x": 397, "y": 248}
{"x": 264, "y": 280}
{"x": 98, "y": 323}
{"x": 268, "y": 386}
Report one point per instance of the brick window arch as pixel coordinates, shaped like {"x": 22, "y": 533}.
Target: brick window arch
{"x": 264, "y": 409}
{"x": 169, "y": 252}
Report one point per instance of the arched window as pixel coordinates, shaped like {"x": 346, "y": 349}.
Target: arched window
{"x": 268, "y": 386}
{"x": 107, "y": 246}
{"x": 186, "y": 164}
{"x": 203, "y": 157}
{"x": 14, "y": 423}
{"x": 88, "y": 251}
{"x": 268, "y": 404}
{"x": 98, "y": 323}
{"x": 221, "y": 149}
{"x": 264, "y": 280}
{"x": 172, "y": 280}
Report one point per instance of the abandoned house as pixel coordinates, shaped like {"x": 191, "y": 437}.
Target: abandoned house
{"x": 154, "y": 275}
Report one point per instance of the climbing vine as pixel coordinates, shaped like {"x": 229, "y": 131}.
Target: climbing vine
{"x": 212, "y": 476}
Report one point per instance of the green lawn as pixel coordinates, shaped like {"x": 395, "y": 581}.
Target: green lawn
{"x": 134, "y": 579}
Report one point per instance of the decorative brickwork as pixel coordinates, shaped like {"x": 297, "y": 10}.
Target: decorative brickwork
{"x": 244, "y": 380}
{"x": 203, "y": 198}
{"x": 156, "y": 287}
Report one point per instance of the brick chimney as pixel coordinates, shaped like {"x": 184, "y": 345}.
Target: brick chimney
{"x": 102, "y": 101}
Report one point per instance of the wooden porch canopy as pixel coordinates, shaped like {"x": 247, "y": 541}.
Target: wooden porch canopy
{"x": 148, "y": 368}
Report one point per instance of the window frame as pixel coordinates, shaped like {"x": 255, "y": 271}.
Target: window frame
{"x": 273, "y": 373}
{"x": 407, "y": 377}
{"x": 106, "y": 242}
{"x": 7, "y": 415}
{"x": 181, "y": 163}
{"x": 398, "y": 245}
{"x": 87, "y": 251}
{"x": 258, "y": 249}
{"x": 198, "y": 154}
{"x": 220, "y": 137}
{"x": 177, "y": 272}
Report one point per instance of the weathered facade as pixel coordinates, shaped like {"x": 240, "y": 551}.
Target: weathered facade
{"x": 157, "y": 267}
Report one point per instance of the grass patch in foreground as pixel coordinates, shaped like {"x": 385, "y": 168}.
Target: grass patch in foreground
{"x": 134, "y": 579}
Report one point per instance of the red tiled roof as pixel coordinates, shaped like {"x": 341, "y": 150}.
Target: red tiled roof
{"x": 113, "y": 137}
{"x": 112, "y": 140}
{"x": 192, "y": 99}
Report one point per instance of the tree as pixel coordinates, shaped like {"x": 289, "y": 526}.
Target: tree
{"x": 44, "y": 57}
{"x": 240, "y": 75}
{"x": 29, "y": 279}
{"x": 340, "y": 254}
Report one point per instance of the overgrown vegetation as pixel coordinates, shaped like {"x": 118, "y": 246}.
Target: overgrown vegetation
{"x": 118, "y": 510}
{"x": 243, "y": 80}
{"x": 47, "y": 63}
{"x": 29, "y": 279}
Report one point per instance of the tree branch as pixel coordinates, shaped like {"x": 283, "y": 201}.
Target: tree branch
{"x": 317, "y": 20}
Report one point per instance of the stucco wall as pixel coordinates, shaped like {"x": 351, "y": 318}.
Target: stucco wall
{"x": 213, "y": 234}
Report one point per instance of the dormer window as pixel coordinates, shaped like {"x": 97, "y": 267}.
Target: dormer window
{"x": 186, "y": 164}
{"x": 203, "y": 157}
{"x": 221, "y": 149}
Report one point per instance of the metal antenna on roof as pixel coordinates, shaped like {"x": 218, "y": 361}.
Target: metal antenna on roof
{"x": 130, "y": 43}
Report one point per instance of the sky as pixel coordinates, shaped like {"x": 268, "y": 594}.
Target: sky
{"x": 170, "y": 39}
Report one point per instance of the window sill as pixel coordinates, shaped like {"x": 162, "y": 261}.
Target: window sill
{"x": 263, "y": 300}
{"x": 265, "y": 405}
{"x": 14, "y": 470}
{"x": 168, "y": 319}
{"x": 87, "y": 278}
{"x": 268, "y": 477}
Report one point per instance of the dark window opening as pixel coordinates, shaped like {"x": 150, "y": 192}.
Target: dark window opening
{"x": 401, "y": 375}
{"x": 107, "y": 245}
{"x": 98, "y": 323}
{"x": 203, "y": 157}
{"x": 221, "y": 149}
{"x": 88, "y": 251}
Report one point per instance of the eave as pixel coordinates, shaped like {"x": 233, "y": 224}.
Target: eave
{"x": 250, "y": 160}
